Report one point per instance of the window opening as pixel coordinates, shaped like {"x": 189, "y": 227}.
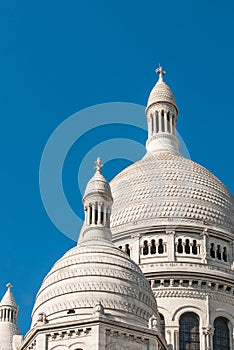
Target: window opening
{"x": 145, "y": 248}
{"x": 153, "y": 247}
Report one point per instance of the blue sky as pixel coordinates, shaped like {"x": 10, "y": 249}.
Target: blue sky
{"x": 59, "y": 57}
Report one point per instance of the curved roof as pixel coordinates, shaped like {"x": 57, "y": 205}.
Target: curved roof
{"x": 98, "y": 185}
{"x": 161, "y": 92}
{"x": 165, "y": 186}
{"x": 8, "y": 298}
{"x": 95, "y": 275}
{"x": 89, "y": 275}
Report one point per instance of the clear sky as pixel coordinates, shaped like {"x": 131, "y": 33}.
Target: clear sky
{"x": 58, "y": 57}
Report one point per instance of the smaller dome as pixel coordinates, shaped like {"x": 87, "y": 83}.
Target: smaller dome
{"x": 98, "y": 184}
{"x": 161, "y": 91}
{"x": 90, "y": 274}
{"x": 8, "y": 298}
{"x": 95, "y": 276}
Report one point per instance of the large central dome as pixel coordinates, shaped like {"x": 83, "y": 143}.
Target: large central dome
{"x": 165, "y": 187}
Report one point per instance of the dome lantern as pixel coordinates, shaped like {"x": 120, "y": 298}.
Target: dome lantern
{"x": 161, "y": 113}
{"x": 97, "y": 202}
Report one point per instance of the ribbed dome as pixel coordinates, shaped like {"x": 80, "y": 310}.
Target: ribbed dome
{"x": 164, "y": 188}
{"x": 89, "y": 275}
{"x": 161, "y": 93}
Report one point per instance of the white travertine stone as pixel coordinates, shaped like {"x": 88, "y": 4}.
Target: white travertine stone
{"x": 167, "y": 198}
{"x": 164, "y": 186}
{"x": 95, "y": 297}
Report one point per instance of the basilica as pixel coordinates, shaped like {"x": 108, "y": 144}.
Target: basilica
{"x": 153, "y": 267}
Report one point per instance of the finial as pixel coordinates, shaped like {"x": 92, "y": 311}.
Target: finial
{"x": 98, "y": 164}
{"x": 9, "y": 286}
{"x": 161, "y": 72}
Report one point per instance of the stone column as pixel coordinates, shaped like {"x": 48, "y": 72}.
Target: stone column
{"x": 93, "y": 213}
{"x": 171, "y": 123}
{"x": 150, "y": 124}
{"x": 88, "y": 215}
{"x": 170, "y": 245}
{"x": 208, "y": 335}
{"x": 165, "y": 122}
{"x": 231, "y": 252}
{"x": 176, "y": 339}
{"x": 135, "y": 247}
{"x": 160, "y": 121}
{"x": 204, "y": 248}
{"x": 104, "y": 214}
{"x": 99, "y": 213}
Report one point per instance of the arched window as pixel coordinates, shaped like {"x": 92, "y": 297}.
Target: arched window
{"x": 221, "y": 338}
{"x": 187, "y": 246}
{"x": 145, "y": 248}
{"x": 127, "y": 250}
{"x": 224, "y": 254}
{"x": 218, "y": 252}
{"x": 160, "y": 246}
{"x": 153, "y": 247}
{"x": 212, "y": 250}
{"x": 194, "y": 247}
{"x": 162, "y": 324}
{"x": 162, "y": 121}
{"x": 180, "y": 246}
{"x": 189, "y": 338}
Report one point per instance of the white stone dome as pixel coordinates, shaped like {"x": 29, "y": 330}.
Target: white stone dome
{"x": 95, "y": 276}
{"x": 88, "y": 275}
{"x": 98, "y": 185}
{"x": 164, "y": 188}
{"x": 161, "y": 92}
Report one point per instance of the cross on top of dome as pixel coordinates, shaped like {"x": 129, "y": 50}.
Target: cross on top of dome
{"x": 161, "y": 72}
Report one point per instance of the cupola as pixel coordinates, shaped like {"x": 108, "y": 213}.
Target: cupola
{"x": 161, "y": 114}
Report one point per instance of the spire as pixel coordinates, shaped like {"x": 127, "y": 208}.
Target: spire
{"x": 8, "y": 319}
{"x": 97, "y": 202}
{"x": 8, "y": 298}
{"x": 161, "y": 113}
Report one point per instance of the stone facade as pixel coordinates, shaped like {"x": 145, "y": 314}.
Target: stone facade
{"x": 177, "y": 221}
{"x": 95, "y": 297}
{"x": 171, "y": 217}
